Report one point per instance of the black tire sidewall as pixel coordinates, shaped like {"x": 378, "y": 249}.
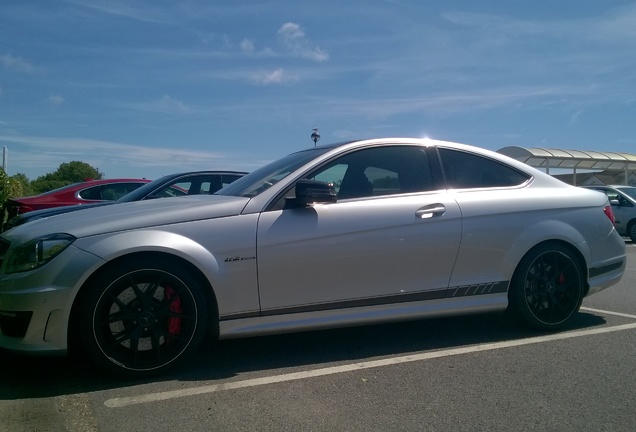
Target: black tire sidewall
{"x": 93, "y": 291}
{"x": 518, "y": 308}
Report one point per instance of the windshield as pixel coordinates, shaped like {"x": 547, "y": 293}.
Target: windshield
{"x": 263, "y": 178}
{"x": 141, "y": 192}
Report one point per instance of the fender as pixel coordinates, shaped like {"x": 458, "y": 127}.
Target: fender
{"x": 224, "y": 252}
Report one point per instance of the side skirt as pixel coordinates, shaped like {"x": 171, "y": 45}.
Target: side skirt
{"x": 355, "y": 316}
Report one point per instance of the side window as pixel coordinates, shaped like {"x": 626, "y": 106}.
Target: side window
{"x": 611, "y": 195}
{"x": 378, "y": 171}
{"x": 333, "y": 174}
{"x": 466, "y": 170}
{"x": 91, "y": 193}
{"x": 117, "y": 190}
{"x": 229, "y": 178}
{"x": 205, "y": 187}
{"x": 109, "y": 192}
{"x": 624, "y": 201}
{"x": 180, "y": 188}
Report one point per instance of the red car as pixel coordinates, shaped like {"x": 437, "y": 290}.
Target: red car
{"x": 88, "y": 192}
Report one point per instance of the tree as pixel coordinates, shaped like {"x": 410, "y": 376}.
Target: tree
{"x": 24, "y": 183}
{"x": 10, "y": 187}
{"x": 67, "y": 173}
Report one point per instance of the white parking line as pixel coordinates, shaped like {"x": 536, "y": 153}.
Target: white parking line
{"x": 193, "y": 391}
{"x": 600, "y": 311}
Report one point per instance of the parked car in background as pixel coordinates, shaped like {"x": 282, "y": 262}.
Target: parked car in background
{"x": 345, "y": 234}
{"x": 172, "y": 185}
{"x": 87, "y": 192}
{"x": 623, "y": 200}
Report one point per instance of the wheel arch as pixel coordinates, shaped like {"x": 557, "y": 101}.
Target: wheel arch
{"x": 576, "y": 252}
{"x": 547, "y": 296}
{"x": 212, "y": 324}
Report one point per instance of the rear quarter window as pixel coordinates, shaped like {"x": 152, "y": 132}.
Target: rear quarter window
{"x": 463, "y": 170}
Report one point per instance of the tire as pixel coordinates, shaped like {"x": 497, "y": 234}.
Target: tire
{"x": 547, "y": 288}
{"x": 632, "y": 232}
{"x": 142, "y": 318}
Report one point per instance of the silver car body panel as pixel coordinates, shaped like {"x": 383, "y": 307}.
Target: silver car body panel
{"x": 130, "y": 216}
{"x": 352, "y": 262}
{"x": 334, "y": 318}
{"x": 391, "y": 250}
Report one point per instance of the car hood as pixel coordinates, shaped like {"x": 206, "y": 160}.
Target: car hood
{"x": 48, "y": 212}
{"x": 127, "y": 216}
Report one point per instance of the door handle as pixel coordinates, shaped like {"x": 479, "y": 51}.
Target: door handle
{"x": 430, "y": 211}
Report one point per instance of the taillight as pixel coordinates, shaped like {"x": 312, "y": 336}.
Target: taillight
{"x": 609, "y": 213}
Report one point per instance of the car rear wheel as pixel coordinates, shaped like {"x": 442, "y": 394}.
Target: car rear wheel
{"x": 547, "y": 288}
{"x": 142, "y": 318}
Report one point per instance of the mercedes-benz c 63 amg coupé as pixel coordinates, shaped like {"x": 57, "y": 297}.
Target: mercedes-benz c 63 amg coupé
{"x": 346, "y": 234}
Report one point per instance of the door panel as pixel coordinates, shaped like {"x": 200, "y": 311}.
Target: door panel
{"x": 344, "y": 254}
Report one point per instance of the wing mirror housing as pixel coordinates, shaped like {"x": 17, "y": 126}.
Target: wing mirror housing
{"x": 313, "y": 192}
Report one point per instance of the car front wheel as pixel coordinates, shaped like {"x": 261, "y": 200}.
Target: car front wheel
{"x": 142, "y": 318}
{"x": 547, "y": 288}
{"x": 632, "y": 232}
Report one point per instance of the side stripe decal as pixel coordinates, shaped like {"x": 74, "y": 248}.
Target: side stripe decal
{"x": 459, "y": 291}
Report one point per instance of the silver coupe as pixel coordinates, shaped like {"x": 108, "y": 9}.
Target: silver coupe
{"x": 339, "y": 235}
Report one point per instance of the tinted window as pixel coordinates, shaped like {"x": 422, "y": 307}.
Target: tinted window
{"x": 378, "y": 171}
{"x": 467, "y": 170}
{"x": 190, "y": 185}
{"x": 108, "y": 192}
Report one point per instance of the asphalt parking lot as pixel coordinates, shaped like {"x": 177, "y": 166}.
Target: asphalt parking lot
{"x": 465, "y": 373}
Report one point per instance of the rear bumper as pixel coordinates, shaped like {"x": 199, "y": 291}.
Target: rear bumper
{"x": 604, "y": 273}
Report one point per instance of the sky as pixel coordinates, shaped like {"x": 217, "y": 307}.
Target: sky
{"x": 146, "y": 88}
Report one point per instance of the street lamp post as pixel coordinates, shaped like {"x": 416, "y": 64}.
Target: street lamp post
{"x": 315, "y": 136}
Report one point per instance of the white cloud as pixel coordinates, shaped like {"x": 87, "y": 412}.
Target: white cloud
{"x": 247, "y": 46}
{"x": 575, "y": 117}
{"x": 293, "y": 37}
{"x": 56, "y": 100}
{"x": 16, "y": 63}
{"x": 142, "y": 13}
{"x": 45, "y": 154}
{"x": 277, "y": 76}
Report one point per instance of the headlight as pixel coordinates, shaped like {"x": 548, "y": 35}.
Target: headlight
{"x": 36, "y": 253}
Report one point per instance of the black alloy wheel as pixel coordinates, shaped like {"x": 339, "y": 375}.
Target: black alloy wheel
{"x": 547, "y": 288}
{"x": 142, "y": 318}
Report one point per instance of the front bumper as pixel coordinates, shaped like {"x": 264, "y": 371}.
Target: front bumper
{"x": 35, "y": 306}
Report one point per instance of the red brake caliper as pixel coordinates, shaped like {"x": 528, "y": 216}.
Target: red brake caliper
{"x": 174, "y": 323}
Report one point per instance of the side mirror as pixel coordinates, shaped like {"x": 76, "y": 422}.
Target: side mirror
{"x": 313, "y": 192}
{"x": 615, "y": 202}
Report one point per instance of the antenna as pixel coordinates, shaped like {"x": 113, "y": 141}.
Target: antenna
{"x": 315, "y": 136}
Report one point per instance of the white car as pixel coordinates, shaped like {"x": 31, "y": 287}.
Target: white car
{"x": 346, "y": 234}
{"x": 623, "y": 200}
